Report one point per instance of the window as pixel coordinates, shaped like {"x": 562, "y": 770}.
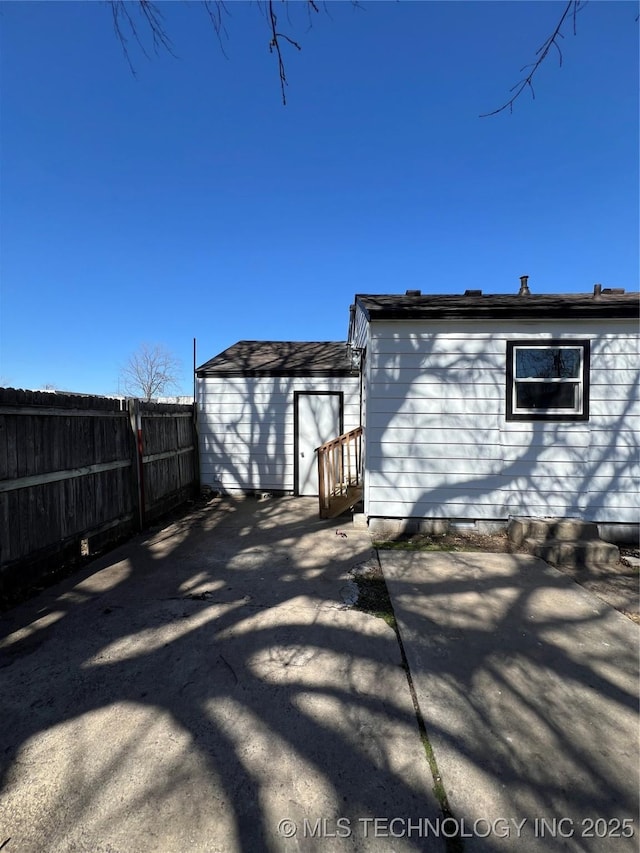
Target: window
{"x": 547, "y": 380}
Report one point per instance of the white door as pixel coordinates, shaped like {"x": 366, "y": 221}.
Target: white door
{"x": 318, "y": 421}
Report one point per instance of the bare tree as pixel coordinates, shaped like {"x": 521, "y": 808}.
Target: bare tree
{"x": 151, "y": 371}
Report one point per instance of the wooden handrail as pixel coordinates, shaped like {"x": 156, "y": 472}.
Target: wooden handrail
{"x": 339, "y": 472}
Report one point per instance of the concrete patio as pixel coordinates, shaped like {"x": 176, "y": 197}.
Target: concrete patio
{"x": 207, "y": 687}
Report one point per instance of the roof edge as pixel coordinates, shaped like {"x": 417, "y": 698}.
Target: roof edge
{"x": 500, "y": 307}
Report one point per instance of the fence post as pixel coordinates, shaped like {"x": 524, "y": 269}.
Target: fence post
{"x": 135, "y": 419}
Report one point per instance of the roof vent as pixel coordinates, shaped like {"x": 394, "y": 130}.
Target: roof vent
{"x": 473, "y": 293}
{"x": 524, "y": 286}
{"x": 597, "y": 290}
{"x": 614, "y": 291}
{"x": 413, "y": 293}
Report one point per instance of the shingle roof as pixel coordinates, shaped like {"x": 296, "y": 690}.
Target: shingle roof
{"x": 499, "y": 306}
{"x": 281, "y": 358}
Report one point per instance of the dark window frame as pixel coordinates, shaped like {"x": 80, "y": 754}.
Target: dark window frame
{"x": 556, "y": 416}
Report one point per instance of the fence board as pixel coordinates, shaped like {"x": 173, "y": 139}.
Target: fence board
{"x": 11, "y": 448}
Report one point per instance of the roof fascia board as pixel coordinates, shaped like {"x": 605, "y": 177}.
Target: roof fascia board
{"x": 235, "y": 372}
{"x": 581, "y": 312}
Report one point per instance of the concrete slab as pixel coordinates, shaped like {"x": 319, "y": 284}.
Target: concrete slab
{"x": 528, "y": 686}
{"x": 204, "y": 688}
{"x": 634, "y": 562}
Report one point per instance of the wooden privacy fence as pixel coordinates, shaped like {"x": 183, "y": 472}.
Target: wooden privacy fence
{"x": 77, "y": 471}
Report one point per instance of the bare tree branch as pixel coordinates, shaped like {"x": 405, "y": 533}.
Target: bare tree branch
{"x": 148, "y": 18}
{"x": 152, "y": 18}
{"x": 574, "y": 6}
{"x": 119, "y": 11}
{"x": 216, "y": 10}
{"x": 274, "y": 45}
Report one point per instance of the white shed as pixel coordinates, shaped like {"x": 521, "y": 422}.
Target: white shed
{"x": 265, "y": 406}
{"x": 487, "y": 407}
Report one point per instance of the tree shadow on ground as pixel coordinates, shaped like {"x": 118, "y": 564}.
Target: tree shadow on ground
{"x": 528, "y": 688}
{"x": 205, "y": 682}
{"x": 197, "y": 686}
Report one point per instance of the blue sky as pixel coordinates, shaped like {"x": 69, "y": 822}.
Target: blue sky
{"x": 188, "y": 202}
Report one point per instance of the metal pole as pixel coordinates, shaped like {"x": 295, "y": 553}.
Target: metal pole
{"x": 196, "y": 430}
{"x": 194, "y": 370}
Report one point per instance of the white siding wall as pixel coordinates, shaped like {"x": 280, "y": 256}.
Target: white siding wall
{"x": 246, "y": 428}
{"x": 438, "y": 444}
{"x": 359, "y": 330}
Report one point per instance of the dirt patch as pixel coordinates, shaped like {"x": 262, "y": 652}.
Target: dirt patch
{"x": 496, "y": 543}
{"x": 618, "y": 585}
{"x": 373, "y": 595}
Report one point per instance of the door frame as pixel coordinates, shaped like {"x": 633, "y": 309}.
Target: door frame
{"x": 296, "y": 422}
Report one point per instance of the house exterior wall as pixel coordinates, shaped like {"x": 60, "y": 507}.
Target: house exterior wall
{"x": 438, "y": 444}
{"x": 246, "y": 428}
{"x": 359, "y": 329}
